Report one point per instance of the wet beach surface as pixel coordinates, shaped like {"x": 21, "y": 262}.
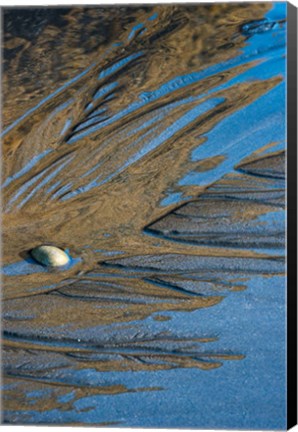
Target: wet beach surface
{"x": 149, "y": 143}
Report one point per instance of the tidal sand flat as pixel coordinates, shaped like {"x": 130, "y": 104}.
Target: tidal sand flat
{"x": 143, "y": 194}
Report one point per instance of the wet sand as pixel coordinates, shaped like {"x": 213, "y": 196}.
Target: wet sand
{"x": 149, "y": 143}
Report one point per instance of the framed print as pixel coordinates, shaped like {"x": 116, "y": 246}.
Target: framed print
{"x": 149, "y": 206}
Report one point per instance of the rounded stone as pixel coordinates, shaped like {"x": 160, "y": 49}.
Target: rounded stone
{"x": 50, "y": 256}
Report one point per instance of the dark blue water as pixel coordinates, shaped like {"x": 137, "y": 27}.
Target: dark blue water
{"x": 245, "y": 395}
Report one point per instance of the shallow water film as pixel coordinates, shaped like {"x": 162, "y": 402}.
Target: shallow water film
{"x": 147, "y": 143}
